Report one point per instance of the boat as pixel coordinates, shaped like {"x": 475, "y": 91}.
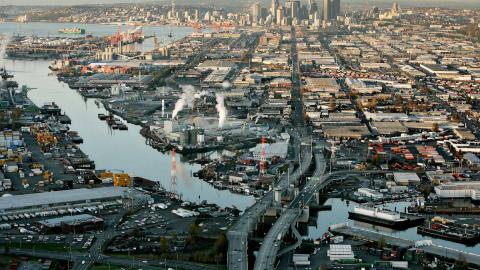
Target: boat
{"x": 122, "y": 127}
{"x": 50, "y": 108}
{"x": 102, "y": 116}
{"x": 450, "y": 231}
{"x": 75, "y": 31}
{"x": 385, "y": 218}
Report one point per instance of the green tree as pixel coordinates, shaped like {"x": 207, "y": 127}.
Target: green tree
{"x": 174, "y": 235}
{"x": 193, "y": 233}
{"x": 220, "y": 244}
{"x": 426, "y": 190}
{"x": 163, "y": 245}
{"x": 382, "y": 242}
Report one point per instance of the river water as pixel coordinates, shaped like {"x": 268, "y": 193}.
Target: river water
{"x": 127, "y": 151}
{"x": 51, "y": 29}
{"x": 339, "y": 214}
{"x": 112, "y": 149}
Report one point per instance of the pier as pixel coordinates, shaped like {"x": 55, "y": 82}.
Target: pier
{"x": 433, "y": 250}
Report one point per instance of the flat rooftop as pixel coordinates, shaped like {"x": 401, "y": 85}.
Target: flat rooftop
{"x": 70, "y": 220}
{"x": 59, "y": 197}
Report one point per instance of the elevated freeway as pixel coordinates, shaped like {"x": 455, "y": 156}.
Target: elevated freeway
{"x": 237, "y": 257}
{"x": 238, "y": 235}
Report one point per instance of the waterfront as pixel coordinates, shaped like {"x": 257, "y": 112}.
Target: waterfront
{"x": 40, "y": 29}
{"x": 112, "y": 149}
{"x": 339, "y": 214}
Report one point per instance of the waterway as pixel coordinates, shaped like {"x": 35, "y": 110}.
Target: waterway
{"x": 112, "y": 149}
{"x": 339, "y": 214}
{"x": 51, "y": 29}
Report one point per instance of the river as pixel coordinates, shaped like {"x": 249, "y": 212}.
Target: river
{"x": 112, "y": 149}
{"x": 51, "y": 29}
{"x": 339, "y": 214}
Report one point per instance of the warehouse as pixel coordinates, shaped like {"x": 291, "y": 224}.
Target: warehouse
{"x": 459, "y": 190}
{"x": 405, "y": 178}
{"x": 37, "y": 202}
{"x": 68, "y": 224}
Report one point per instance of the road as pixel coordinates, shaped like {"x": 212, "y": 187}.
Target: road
{"x": 238, "y": 235}
{"x": 271, "y": 243}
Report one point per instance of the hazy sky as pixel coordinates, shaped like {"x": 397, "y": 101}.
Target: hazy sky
{"x": 469, "y": 3}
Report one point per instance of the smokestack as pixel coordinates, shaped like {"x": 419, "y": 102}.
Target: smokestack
{"x": 163, "y": 108}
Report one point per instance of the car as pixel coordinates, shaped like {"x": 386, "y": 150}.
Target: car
{"x": 83, "y": 262}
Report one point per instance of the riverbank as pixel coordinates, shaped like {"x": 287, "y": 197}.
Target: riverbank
{"x": 113, "y": 149}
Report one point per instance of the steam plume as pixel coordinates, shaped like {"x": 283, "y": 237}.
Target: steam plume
{"x": 186, "y": 99}
{"x": 222, "y": 111}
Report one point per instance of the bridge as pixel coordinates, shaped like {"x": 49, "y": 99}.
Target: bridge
{"x": 238, "y": 235}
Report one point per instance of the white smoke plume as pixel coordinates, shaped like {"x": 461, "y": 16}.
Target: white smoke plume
{"x": 186, "y": 99}
{"x": 222, "y": 111}
{"x": 226, "y": 85}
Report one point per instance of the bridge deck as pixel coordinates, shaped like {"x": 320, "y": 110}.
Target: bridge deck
{"x": 435, "y": 250}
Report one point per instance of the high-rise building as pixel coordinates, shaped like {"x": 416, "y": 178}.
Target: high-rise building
{"x": 273, "y": 8}
{"x": 331, "y": 9}
{"x": 335, "y": 9}
{"x": 312, "y": 7}
{"x": 255, "y": 11}
{"x": 395, "y": 8}
{"x": 288, "y": 8}
{"x": 295, "y": 9}
{"x": 279, "y": 15}
{"x": 326, "y": 10}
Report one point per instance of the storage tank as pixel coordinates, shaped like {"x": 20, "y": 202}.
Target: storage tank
{"x": 200, "y": 136}
{"x": 192, "y": 136}
{"x": 183, "y": 137}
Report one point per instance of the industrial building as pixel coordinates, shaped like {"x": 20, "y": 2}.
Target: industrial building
{"x": 459, "y": 190}
{"x": 405, "y": 179}
{"x": 369, "y": 193}
{"x": 68, "y": 224}
{"x": 36, "y": 203}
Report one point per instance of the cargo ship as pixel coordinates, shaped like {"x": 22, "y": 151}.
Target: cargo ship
{"x": 75, "y": 31}
{"x": 451, "y": 231}
{"x": 385, "y": 218}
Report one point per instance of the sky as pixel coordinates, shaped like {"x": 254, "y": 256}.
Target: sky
{"x": 456, "y": 3}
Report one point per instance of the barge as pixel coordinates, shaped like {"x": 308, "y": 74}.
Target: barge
{"x": 72, "y": 31}
{"x": 385, "y": 218}
{"x": 450, "y": 231}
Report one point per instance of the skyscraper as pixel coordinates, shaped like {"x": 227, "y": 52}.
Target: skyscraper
{"x": 331, "y": 9}
{"x": 273, "y": 8}
{"x": 335, "y": 9}
{"x": 295, "y": 9}
{"x": 326, "y": 10}
{"x": 312, "y": 7}
{"x": 255, "y": 12}
{"x": 395, "y": 7}
{"x": 279, "y": 15}
{"x": 288, "y": 8}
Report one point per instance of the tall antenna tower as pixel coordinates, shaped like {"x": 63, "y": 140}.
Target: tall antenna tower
{"x": 173, "y": 183}
{"x": 263, "y": 157}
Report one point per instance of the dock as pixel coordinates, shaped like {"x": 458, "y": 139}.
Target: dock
{"x": 434, "y": 250}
